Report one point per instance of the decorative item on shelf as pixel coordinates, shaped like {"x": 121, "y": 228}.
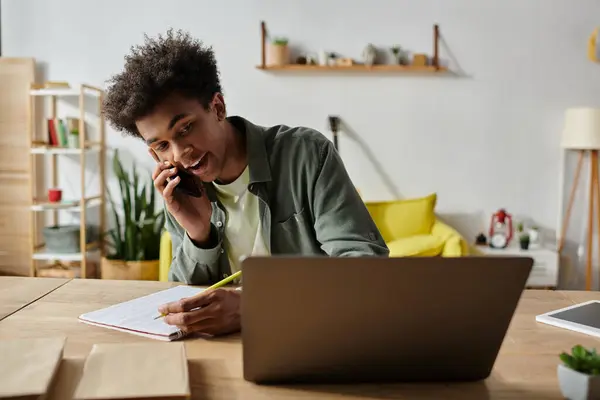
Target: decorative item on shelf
{"x": 594, "y": 46}
{"x": 323, "y": 57}
{"x": 332, "y": 59}
{"x": 501, "y": 229}
{"x": 279, "y": 52}
{"x": 50, "y": 85}
{"x": 481, "y": 240}
{"x": 397, "y": 53}
{"x": 524, "y": 240}
{"x": 64, "y": 239}
{"x": 74, "y": 139}
{"x": 369, "y": 55}
{"x": 579, "y": 374}
{"x": 534, "y": 237}
{"x": 54, "y": 195}
{"x": 134, "y": 243}
{"x": 420, "y": 60}
{"x": 66, "y": 270}
{"x": 345, "y": 62}
{"x": 312, "y": 59}
{"x": 301, "y": 60}
{"x": 57, "y": 84}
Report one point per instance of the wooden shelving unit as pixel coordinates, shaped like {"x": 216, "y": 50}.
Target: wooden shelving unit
{"x": 41, "y": 148}
{"x": 434, "y": 68}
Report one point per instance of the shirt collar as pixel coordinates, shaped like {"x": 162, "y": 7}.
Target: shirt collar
{"x": 256, "y": 151}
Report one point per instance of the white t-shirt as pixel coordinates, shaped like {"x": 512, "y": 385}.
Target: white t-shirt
{"x": 243, "y": 233}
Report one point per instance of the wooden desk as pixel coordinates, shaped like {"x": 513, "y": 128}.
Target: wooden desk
{"x": 525, "y": 368}
{"x": 17, "y": 292}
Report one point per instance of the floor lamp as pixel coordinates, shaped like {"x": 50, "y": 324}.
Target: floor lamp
{"x": 581, "y": 133}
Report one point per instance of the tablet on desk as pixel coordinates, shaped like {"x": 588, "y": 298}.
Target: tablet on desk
{"x": 582, "y": 317}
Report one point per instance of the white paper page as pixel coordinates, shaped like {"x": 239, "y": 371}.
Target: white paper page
{"x": 137, "y": 315}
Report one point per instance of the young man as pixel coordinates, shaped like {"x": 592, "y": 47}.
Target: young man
{"x": 267, "y": 190}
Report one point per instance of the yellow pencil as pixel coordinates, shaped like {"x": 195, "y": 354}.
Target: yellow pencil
{"x": 216, "y": 285}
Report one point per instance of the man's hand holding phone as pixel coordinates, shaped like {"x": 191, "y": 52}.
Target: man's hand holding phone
{"x": 192, "y": 213}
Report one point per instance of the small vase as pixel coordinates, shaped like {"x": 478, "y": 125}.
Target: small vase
{"x": 534, "y": 237}
{"x": 369, "y": 55}
{"x": 575, "y": 385}
{"x": 279, "y": 55}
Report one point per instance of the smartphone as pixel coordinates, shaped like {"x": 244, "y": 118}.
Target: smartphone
{"x": 189, "y": 184}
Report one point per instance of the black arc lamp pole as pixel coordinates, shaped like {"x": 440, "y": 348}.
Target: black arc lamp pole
{"x": 334, "y": 124}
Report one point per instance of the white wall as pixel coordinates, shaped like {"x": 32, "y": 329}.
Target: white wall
{"x": 483, "y": 140}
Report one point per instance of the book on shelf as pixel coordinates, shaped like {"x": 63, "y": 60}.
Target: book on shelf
{"x": 59, "y": 130}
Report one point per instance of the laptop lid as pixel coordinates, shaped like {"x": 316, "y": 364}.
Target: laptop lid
{"x": 325, "y": 319}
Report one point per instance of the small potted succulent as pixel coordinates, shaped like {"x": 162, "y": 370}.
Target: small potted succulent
{"x": 524, "y": 241}
{"x": 579, "y": 374}
{"x": 279, "y": 52}
{"x": 524, "y": 238}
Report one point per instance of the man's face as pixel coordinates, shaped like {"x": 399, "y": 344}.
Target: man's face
{"x": 181, "y": 131}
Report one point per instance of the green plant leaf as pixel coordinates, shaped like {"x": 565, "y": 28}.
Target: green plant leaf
{"x": 138, "y": 229}
{"x": 579, "y": 351}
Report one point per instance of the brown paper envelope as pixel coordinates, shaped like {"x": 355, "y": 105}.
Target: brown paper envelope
{"x": 27, "y": 366}
{"x": 135, "y": 371}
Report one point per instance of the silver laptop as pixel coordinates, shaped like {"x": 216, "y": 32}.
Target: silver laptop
{"x": 332, "y": 320}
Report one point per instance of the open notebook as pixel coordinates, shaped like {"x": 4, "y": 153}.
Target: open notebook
{"x": 137, "y": 316}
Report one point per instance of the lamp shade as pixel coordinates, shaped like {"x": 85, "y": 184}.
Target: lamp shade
{"x": 582, "y": 129}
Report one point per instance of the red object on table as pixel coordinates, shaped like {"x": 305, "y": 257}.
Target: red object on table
{"x": 54, "y": 195}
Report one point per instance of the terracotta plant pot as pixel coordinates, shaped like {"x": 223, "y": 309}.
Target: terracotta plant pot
{"x": 575, "y": 385}
{"x": 129, "y": 270}
{"x": 278, "y": 55}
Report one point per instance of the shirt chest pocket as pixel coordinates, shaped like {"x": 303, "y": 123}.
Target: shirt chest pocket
{"x": 294, "y": 235}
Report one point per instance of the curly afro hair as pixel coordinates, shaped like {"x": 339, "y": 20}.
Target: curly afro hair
{"x": 175, "y": 63}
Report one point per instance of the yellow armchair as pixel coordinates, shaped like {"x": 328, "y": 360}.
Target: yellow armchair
{"x": 166, "y": 255}
{"x": 410, "y": 228}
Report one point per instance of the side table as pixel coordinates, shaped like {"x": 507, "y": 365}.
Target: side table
{"x": 544, "y": 274}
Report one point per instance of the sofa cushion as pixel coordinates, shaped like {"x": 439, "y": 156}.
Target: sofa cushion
{"x": 416, "y": 246}
{"x": 404, "y": 218}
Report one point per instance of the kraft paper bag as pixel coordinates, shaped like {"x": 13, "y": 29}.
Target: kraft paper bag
{"x": 135, "y": 371}
{"x": 28, "y": 366}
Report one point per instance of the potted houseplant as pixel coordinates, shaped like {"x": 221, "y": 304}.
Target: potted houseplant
{"x": 579, "y": 374}
{"x": 524, "y": 241}
{"x": 523, "y": 236}
{"x": 279, "y": 52}
{"x": 134, "y": 242}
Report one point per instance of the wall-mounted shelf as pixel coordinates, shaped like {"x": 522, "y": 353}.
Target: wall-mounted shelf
{"x": 383, "y": 68}
{"x": 433, "y": 68}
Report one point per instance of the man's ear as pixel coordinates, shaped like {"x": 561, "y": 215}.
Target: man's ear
{"x": 219, "y": 106}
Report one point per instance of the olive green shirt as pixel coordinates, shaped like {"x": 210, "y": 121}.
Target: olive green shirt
{"x": 307, "y": 203}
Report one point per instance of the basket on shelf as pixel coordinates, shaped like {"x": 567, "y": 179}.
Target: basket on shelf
{"x": 65, "y": 239}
